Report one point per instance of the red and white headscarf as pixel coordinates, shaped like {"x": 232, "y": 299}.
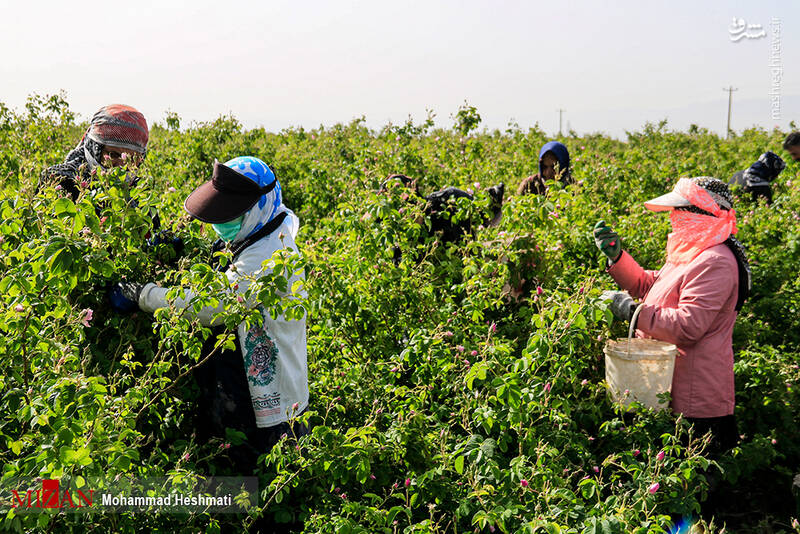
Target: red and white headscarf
{"x": 692, "y": 233}
{"x": 119, "y": 126}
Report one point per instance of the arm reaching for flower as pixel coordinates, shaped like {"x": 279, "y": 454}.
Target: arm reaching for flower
{"x": 153, "y": 297}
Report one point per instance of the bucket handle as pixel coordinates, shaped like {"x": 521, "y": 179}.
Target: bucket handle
{"x": 632, "y": 327}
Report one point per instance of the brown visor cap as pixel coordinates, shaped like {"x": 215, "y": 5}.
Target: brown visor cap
{"x": 226, "y": 196}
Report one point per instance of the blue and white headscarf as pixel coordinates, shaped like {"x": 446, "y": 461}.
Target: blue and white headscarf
{"x": 269, "y": 205}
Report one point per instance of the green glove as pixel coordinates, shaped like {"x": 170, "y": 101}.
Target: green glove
{"x": 607, "y": 240}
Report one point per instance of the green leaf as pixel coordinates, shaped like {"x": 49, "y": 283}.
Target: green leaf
{"x": 64, "y": 206}
{"x": 459, "y": 465}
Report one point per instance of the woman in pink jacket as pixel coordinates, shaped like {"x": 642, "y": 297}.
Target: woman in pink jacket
{"x": 692, "y": 301}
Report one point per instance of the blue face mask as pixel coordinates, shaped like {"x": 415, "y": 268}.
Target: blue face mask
{"x": 228, "y": 230}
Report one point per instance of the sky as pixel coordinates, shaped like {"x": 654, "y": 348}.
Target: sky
{"x": 612, "y": 66}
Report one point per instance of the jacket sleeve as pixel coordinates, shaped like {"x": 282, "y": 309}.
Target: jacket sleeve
{"x": 154, "y": 297}
{"x": 630, "y": 276}
{"x": 706, "y": 288}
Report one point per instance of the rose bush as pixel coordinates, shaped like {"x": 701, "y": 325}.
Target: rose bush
{"x": 459, "y": 389}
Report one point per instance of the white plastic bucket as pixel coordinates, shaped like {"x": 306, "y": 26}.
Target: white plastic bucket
{"x": 639, "y": 369}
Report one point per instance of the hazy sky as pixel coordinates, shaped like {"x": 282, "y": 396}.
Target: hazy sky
{"x": 611, "y": 65}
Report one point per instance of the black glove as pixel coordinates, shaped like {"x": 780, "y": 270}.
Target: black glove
{"x": 165, "y": 237}
{"x": 124, "y": 296}
{"x": 621, "y": 304}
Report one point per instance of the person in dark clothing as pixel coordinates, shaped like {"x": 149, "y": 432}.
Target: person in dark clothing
{"x": 757, "y": 178}
{"x": 792, "y": 145}
{"x": 440, "y": 207}
{"x": 117, "y": 136}
{"x": 554, "y": 164}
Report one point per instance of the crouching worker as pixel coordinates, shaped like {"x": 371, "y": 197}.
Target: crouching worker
{"x": 117, "y": 136}
{"x": 440, "y": 207}
{"x": 757, "y": 179}
{"x": 692, "y": 301}
{"x": 553, "y": 165}
{"x": 262, "y": 384}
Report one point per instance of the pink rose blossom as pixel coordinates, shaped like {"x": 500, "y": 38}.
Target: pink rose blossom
{"x": 408, "y": 482}
{"x": 86, "y": 317}
{"x": 636, "y": 452}
{"x": 171, "y": 189}
{"x": 19, "y": 308}
{"x": 660, "y": 456}
{"x": 584, "y": 382}
{"x": 547, "y": 387}
{"x": 185, "y": 456}
{"x": 460, "y": 348}
{"x": 654, "y": 488}
{"x": 774, "y": 441}
{"x": 473, "y": 353}
{"x": 523, "y": 483}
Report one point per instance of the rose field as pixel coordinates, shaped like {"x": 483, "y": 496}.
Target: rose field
{"x": 461, "y": 389}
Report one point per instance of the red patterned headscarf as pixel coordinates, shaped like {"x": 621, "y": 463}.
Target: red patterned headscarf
{"x": 119, "y": 126}
{"x": 693, "y": 232}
